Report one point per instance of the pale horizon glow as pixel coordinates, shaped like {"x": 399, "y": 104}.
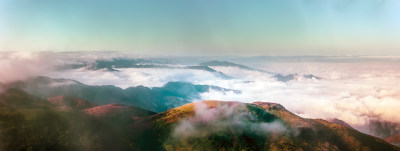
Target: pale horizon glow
{"x": 288, "y": 27}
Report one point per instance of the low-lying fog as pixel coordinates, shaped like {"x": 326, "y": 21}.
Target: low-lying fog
{"x": 362, "y": 91}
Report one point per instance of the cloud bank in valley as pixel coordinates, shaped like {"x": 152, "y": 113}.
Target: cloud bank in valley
{"x": 356, "y": 96}
{"x": 129, "y": 77}
{"x": 356, "y": 92}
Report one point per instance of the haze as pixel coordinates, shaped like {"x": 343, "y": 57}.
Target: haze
{"x": 198, "y": 27}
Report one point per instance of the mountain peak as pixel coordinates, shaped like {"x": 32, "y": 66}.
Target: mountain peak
{"x": 338, "y": 121}
{"x": 261, "y": 125}
{"x": 271, "y": 106}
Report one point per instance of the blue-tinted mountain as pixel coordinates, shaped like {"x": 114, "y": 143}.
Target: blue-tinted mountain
{"x": 208, "y": 69}
{"x": 279, "y": 77}
{"x": 230, "y": 64}
{"x": 284, "y": 78}
{"x": 124, "y": 63}
{"x": 289, "y": 77}
{"x": 114, "y": 64}
{"x": 157, "y": 99}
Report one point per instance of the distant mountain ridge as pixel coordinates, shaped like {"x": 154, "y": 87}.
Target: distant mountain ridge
{"x": 279, "y": 77}
{"x": 230, "y": 64}
{"x": 113, "y": 65}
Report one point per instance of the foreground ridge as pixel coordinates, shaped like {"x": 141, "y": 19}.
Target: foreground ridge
{"x": 230, "y": 125}
{"x": 69, "y": 123}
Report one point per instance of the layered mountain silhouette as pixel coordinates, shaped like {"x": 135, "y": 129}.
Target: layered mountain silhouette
{"x": 113, "y": 65}
{"x": 279, "y": 77}
{"x": 28, "y": 122}
{"x": 157, "y": 99}
{"x": 289, "y": 77}
{"x": 230, "y": 64}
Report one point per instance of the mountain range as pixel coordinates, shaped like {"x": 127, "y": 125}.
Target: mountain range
{"x": 157, "y": 99}
{"x": 28, "y": 122}
{"x": 114, "y": 64}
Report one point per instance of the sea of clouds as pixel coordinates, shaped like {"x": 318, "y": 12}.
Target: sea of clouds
{"x": 357, "y": 92}
{"x": 354, "y": 98}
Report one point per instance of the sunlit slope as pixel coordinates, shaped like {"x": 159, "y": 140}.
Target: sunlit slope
{"x": 28, "y": 122}
{"x": 156, "y": 99}
{"x": 217, "y": 125}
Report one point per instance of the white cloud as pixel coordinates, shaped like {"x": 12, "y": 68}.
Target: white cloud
{"x": 355, "y": 92}
{"x": 351, "y": 93}
{"x": 128, "y": 77}
{"x": 21, "y": 65}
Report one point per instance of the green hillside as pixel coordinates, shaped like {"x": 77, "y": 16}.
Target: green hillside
{"x": 215, "y": 125}
{"x": 30, "y": 123}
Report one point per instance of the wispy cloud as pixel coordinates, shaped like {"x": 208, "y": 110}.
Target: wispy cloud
{"x": 127, "y": 77}
{"x": 351, "y": 93}
{"x": 21, "y": 65}
{"x": 234, "y": 117}
{"x": 356, "y": 92}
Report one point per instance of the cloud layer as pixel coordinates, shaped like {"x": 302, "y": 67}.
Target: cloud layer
{"x": 356, "y": 92}
{"x": 21, "y": 65}
{"x": 356, "y": 96}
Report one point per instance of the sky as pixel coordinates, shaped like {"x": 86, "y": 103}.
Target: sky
{"x": 198, "y": 27}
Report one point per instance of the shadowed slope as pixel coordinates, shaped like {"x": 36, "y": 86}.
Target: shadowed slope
{"x": 119, "y": 111}
{"x": 70, "y": 103}
{"x": 14, "y": 98}
{"x": 30, "y": 123}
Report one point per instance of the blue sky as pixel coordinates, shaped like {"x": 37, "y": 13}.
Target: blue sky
{"x": 218, "y": 27}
